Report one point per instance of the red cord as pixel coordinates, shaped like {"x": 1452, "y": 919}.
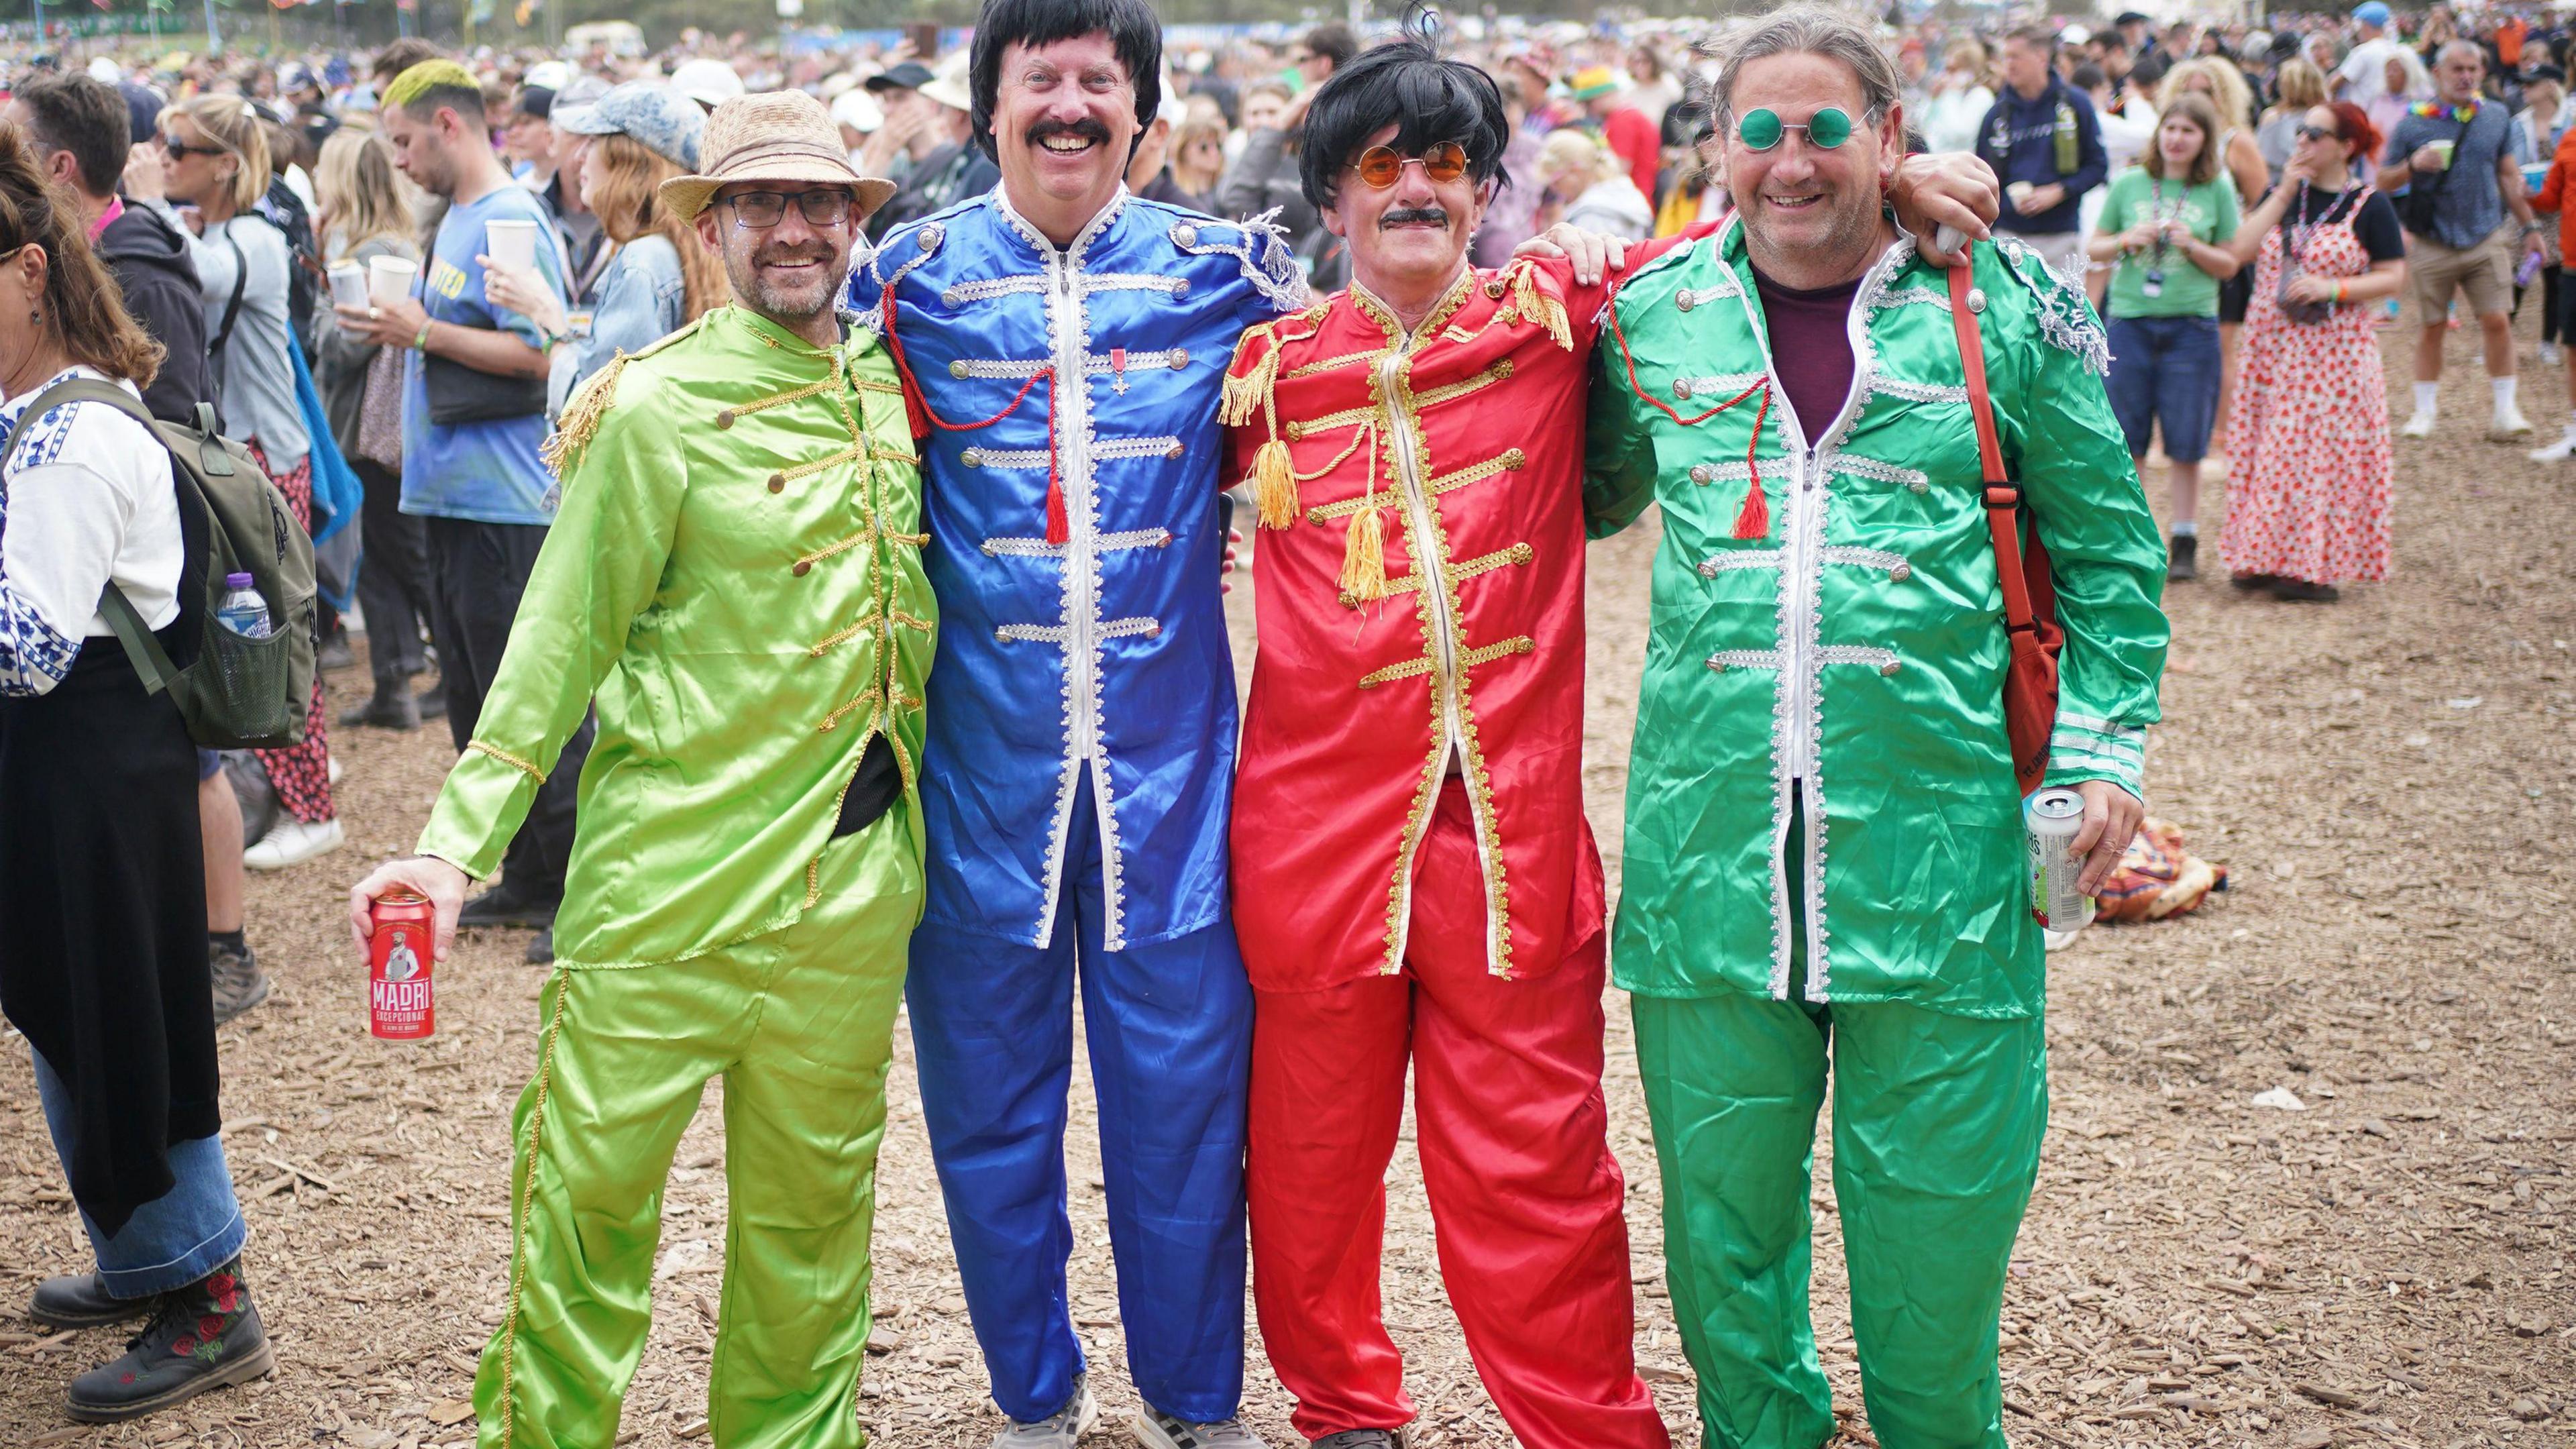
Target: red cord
{"x": 1756, "y": 514}
{"x": 1059, "y": 530}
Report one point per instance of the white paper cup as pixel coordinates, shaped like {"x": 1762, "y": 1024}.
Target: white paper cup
{"x": 512, "y": 244}
{"x": 2020, "y": 192}
{"x": 389, "y": 279}
{"x": 348, "y": 284}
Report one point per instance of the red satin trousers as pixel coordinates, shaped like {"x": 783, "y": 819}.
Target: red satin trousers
{"x": 1525, "y": 1197}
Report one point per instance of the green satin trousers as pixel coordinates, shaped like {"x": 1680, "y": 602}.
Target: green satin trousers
{"x": 1937, "y": 1125}
{"x": 799, "y": 1022}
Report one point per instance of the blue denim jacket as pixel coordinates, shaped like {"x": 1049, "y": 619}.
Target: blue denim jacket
{"x": 641, "y": 301}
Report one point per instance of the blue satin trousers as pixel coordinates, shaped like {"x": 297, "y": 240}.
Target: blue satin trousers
{"x": 1169, "y": 1025}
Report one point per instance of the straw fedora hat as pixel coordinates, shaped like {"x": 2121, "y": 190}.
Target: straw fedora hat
{"x": 770, "y": 136}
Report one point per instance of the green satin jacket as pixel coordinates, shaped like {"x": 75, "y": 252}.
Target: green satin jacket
{"x": 734, "y": 578}
{"x": 1856, "y": 645}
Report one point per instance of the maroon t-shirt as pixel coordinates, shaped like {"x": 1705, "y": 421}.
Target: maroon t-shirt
{"x": 1810, "y": 348}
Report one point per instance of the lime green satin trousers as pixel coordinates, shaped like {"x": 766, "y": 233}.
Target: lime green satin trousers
{"x": 799, "y": 1022}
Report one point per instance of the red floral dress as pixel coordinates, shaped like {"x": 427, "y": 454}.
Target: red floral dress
{"x": 2307, "y": 440}
{"x": 300, "y": 774}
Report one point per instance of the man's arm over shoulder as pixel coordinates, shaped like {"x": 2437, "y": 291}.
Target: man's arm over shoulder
{"x": 2107, "y": 560}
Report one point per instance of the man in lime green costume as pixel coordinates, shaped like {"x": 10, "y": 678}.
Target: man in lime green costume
{"x": 734, "y": 575}
{"x": 1824, "y": 859}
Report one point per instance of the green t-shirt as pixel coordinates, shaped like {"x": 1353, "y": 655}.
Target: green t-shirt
{"x": 2208, "y": 209}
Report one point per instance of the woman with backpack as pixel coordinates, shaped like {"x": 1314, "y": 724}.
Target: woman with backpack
{"x": 218, "y": 167}
{"x": 103, "y": 963}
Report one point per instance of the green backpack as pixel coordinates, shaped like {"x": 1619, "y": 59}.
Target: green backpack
{"x": 238, "y": 693}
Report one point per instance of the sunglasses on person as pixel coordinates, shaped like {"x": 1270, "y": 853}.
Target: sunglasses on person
{"x": 1380, "y": 166}
{"x": 1761, "y": 128}
{"x": 179, "y": 149}
{"x": 761, "y": 210}
{"x": 2317, "y": 133}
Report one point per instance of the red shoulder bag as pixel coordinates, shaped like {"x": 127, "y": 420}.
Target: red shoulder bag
{"x": 2030, "y": 595}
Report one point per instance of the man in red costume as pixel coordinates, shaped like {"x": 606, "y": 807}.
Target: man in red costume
{"x": 1413, "y": 873}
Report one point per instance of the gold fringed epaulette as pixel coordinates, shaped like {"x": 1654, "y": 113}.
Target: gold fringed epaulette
{"x": 1246, "y": 389}
{"x": 1538, "y": 306}
{"x": 582, "y": 415}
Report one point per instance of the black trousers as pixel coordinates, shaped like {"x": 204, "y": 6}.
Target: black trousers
{"x": 393, "y": 583}
{"x": 476, "y": 574}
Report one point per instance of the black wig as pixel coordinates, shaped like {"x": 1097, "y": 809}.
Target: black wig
{"x": 1135, "y": 32}
{"x": 1427, "y": 99}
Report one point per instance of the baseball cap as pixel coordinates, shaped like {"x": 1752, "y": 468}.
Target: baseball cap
{"x": 668, "y": 123}
{"x": 2370, "y": 12}
{"x": 911, "y": 75}
{"x": 535, "y": 100}
{"x": 857, "y": 110}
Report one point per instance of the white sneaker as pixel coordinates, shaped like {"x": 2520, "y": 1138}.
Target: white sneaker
{"x": 2549, "y": 354}
{"x": 2557, "y": 452}
{"x": 2508, "y": 422}
{"x": 2418, "y": 426}
{"x": 292, "y": 842}
{"x": 1060, "y": 1430}
{"x": 332, "y": 768}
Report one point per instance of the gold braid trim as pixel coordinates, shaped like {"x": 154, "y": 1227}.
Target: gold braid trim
{"x": 505, "y": 757}
{"x": 725, "y": 416}
{"x": 1469, "y": 659}
{"x": 581, "y": 416}
{"x": 1244, "y": 390}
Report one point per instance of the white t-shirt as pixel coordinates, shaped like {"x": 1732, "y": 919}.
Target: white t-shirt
{"x": 89, "y": 499}
{"x": 2365, "y": 71}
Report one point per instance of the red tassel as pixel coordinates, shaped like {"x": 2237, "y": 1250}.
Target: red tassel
{"x": 1755, "y": 520}
{"x": 916, "y": 411}
{"x": 1059, "y": 528}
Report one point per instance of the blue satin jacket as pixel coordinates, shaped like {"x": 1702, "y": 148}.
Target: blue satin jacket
{"x": 1096, "y": 647}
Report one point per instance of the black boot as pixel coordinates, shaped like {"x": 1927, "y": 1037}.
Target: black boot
{"x": 82, "y": 1301}
{"x": 432, "y": 702}
{"x": 2182, "y": 557}
{"x": 505, "y": 905}
{"x": 204, "y": 1336}
{"x": 392, "y": 708}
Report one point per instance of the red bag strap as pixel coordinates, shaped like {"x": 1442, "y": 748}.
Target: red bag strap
{"x": 2003, "y": 498}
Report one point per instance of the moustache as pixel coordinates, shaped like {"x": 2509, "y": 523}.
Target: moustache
{"x": 1414, "y": 216}
{"x": 1087, "y": 128}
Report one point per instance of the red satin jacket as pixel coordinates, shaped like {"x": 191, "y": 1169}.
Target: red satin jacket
{"x": 1372, "y": 452}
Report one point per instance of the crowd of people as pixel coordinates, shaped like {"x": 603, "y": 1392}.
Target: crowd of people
{"x": 593, "y": 377}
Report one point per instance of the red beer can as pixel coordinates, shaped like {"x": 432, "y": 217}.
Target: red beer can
{"x": 401, "y": 944}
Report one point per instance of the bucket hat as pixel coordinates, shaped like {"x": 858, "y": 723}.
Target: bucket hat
{"x": 770, "y": 136}
{"x": 665, "y": 122}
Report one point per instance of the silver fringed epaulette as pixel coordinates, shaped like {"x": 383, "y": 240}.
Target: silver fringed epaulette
{"x": 2066, "y": 318}
{"x": 1263, "y": 250}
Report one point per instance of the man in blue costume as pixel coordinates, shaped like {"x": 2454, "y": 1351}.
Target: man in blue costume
{"x": 1064, "y": 347}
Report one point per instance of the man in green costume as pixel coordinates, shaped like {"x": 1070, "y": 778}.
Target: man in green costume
{"x": 1824, "y": 842}
{"x": 735, "y": 576}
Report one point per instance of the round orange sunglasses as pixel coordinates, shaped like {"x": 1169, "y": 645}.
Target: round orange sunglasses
{"x": 1380, "y": 166}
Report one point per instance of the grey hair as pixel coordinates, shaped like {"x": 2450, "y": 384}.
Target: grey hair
{"x": 1807, "y": 30}
{"x": 2469, "y": 46}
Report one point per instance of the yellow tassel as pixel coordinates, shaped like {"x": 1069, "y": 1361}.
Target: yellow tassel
{"x": 1540, "y": 307}
{"x": 582, "y": 415}
{"x": 1245, "y": 391}
{"x": 1364, "y": 558}
{"x": 1274, "y": 485}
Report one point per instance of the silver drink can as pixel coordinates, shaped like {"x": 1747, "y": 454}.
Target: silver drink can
{"x": 2050, "y": 819}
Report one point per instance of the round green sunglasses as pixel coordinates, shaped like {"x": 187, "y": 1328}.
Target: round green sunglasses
{"x": 1760, "y": 129}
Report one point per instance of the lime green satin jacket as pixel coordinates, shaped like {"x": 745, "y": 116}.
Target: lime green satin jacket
{"x": 1856, "y": 647}
{"x": 734, "y": 577}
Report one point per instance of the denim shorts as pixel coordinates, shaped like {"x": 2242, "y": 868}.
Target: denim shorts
{"x": 2165, "y": 369}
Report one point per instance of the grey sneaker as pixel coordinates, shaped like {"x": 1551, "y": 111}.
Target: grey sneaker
{"x": 1361, "y": 1439}
{"x": 239, "y": 983}
{"x": 1060, "y": 1430}
{"x": 1157, "y": 1430}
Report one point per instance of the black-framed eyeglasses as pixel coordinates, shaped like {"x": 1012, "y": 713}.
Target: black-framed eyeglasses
{"x": 178, "y": 148}
{"x": 761, "y": 210}
{"x": 2317, "y": 133}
